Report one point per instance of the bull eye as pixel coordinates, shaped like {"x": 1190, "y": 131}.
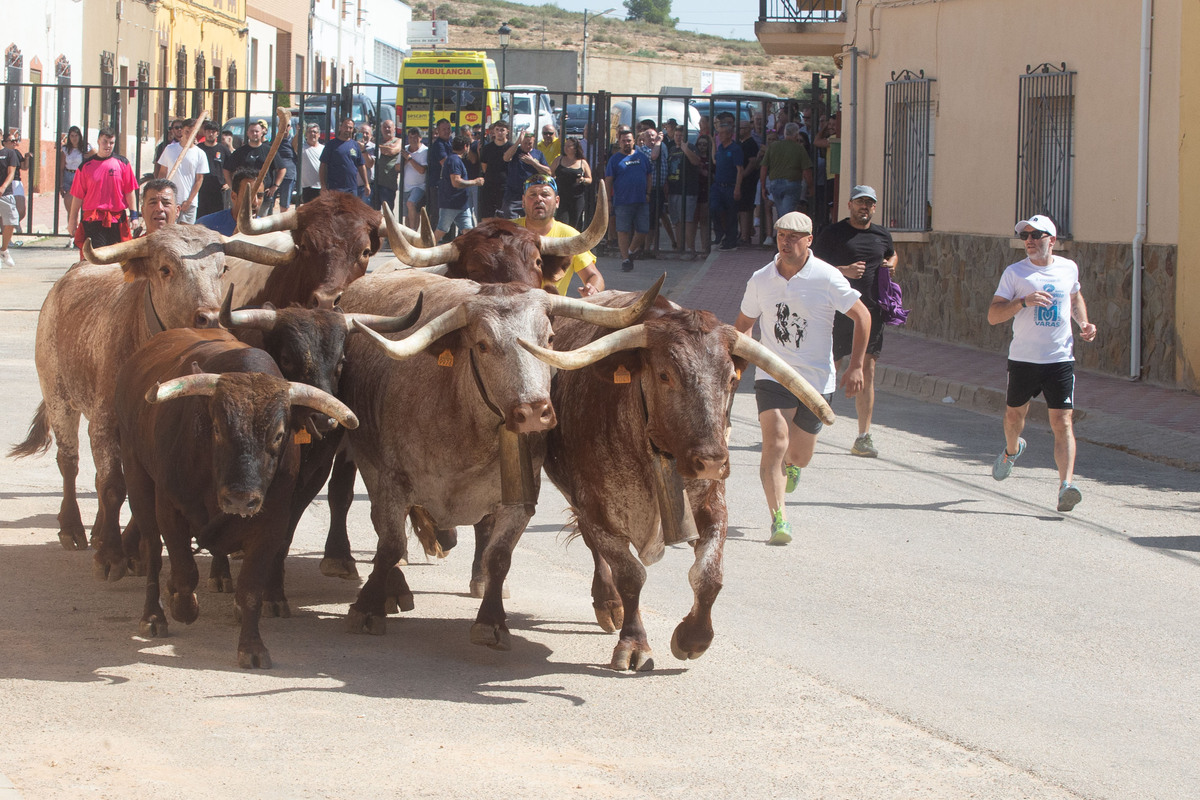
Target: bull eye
{"x": 483, "y": 347}
{"x": 664, "y": 377}
{"x": 278, "y": 439}
{"x": 366, "y": 253}
{"x": 165, "y": 271}
{"x": 550, "y": 341}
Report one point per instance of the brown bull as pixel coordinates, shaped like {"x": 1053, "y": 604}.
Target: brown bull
{"x": 92, "y": 321}
{"x": 626, "y": 400}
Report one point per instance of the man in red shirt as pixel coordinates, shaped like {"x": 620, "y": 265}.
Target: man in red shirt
{"x": 103, "y": 192}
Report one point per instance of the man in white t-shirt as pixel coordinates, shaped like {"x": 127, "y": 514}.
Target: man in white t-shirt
{"x": 1041, "y": 296}
{"x": 794, "y": 299}
{"x": 415, "y": 157}
{"x": 187, "y": 184}
{"x": 310, "y": 163}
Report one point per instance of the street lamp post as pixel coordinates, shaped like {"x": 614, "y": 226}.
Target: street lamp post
{"x": 583, "y": 69}
{"x": 503, "y": 33}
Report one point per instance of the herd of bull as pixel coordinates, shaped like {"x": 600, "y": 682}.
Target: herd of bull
{"x": 449, "y": 378}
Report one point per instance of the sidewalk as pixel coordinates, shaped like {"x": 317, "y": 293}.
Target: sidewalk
{"x": 1142, "y": 419}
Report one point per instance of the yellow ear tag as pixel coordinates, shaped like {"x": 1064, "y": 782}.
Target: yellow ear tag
{"x": 130, "y": 277}
{"x": 446, "y": 359}
{"x": 737, "y": 374}
{"x": 621, "y": 375}
{"x": 302, "y": 437}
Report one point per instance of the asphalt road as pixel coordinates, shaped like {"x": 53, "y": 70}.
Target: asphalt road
{"x": 929, "y": 633}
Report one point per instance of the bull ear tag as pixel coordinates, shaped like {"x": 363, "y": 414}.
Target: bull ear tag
{"x": 446, "y": 359}
{"x": 737, "y": 373}
{"x": 621, "y": 375}
{"x": 302, "y": 437}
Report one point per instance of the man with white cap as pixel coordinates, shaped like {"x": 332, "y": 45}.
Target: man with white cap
{"x": 1041, "y": 295}
{"x": 794, "y": 298}
{"x": 859, "y": 249}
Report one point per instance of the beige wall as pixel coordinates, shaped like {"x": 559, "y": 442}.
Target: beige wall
{"x": 976, "y": 49}
{"x": 1187, "y": 310}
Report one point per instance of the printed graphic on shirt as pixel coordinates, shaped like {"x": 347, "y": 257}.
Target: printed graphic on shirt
{"x": 790, "y": 328}
{"x": 1048, "y": 316}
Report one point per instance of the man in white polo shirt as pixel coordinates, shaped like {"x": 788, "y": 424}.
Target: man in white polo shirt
{"x": 1041, "y": 296}
{"x": 188, "y": 177}
{"x": 794, "y": 298}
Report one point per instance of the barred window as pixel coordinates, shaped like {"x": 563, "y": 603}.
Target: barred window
{"x": 200, "y": 85}
{"x": 181, "y": 82}
{"x": 106, "y": 89}
{"x": 231, "y": 83}
{"x": 387, "y": 60}
{"x": 908, "y": 152}
{"x": 1045, "y": 150}
{"x": 143, "y": 106}
{"x": 14, "y": 64}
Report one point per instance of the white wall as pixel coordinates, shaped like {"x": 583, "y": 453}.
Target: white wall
{"x": 341, "y": 42}
{"x": 263, "y": 78}
{"x": 46, "y": 29}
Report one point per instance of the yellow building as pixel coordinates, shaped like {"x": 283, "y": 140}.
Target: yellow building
{"x": 202, "y": 54}
{"x": 968, "y": 115}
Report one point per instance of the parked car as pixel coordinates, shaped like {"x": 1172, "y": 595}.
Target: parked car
{"x": 526, "y": 107}
{"x": 576, "y": 118}
{"x": 625, "y": 112}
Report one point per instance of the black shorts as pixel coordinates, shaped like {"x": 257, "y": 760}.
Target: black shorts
{"x": 1056, "y": 382}
{"x": 770, "y": 395}
{"x": 843, "y": 334}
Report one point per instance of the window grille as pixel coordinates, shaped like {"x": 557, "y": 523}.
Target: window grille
{"x": 231, "y": 84}
{"x": 181, "y": 81}
{"x": 1045, "y": 150}
{"x": 106, "y": 88}
{"x": 201, "y": 81}
{"x": 387, "y": 60}
{"x": 143, "y": 106}
{"x": 62, "y": 74}
{"x": 908, "y": 152}
{"x": 14, "y": 64}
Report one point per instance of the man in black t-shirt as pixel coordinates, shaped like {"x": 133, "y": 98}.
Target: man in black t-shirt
{"x": 212, "y": 191}
{"x": 252, "y": 155}
{"x": 859, "y": 249}
{"x": 495, "y": 171}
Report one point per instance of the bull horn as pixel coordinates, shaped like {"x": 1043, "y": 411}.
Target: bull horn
{"x": 258, "y": 254}
{"x": 780, "y": 370}
{"x": 602, "y": 315}
{"x": 116, "y": 253}
{"x": 407, "y": 232}
{"x": 417, "y": 256}
{"x": 260, "y": 319}
{"x": 301, "y": 394}
{"x": 422, "y": 337}
{"x": 387, "y": 324}
{"x": 581, "y": 243}
{"x": 440, "y": 269}
{"x": 426, "y": 234}
{"x": 202, "y": 384}
{"x": 153, "y": 323}
{"x": 284, "y": 221}
{"x": 630, "y": 338}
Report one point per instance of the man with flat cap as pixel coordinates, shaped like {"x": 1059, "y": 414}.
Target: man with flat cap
{"x": 794, "y": 298}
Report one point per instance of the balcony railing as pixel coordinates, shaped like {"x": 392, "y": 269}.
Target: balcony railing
{"x": 802, "y": 10}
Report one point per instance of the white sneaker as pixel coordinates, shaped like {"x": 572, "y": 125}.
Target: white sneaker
{"x": 7, "y": 259}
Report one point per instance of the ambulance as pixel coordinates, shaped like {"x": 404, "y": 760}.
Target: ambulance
{"x": 458, "y": 85}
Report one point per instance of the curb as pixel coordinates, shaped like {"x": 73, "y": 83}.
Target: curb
{"x": 7, "y": 790}
{"x": 1140, "y": 439}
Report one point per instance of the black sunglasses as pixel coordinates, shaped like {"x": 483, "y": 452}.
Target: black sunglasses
{"x": 1035, "y": 235}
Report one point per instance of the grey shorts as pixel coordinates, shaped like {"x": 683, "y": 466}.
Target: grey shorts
{"x": 9, "y": 217}
{"x": 770, "y": 395}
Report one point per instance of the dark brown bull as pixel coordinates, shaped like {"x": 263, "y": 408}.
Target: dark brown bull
{"x": 92, "y": 321}
{"x": 662, "y": 388}
{"x": 218, "y": 462}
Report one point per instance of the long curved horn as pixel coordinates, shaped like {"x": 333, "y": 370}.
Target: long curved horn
{"x": 260, "y": 319}
{"x": 200, "y": 384}
{"x": 421, "y": 338}
{"x": 301, "y": 394}
{"x": 257, "y": 253}
{"x": 426, "y": 234}
{"x": 387, "y": 324}
{"x": 603, "y": 315}
{"x": 116, "y": 253}
{"x": 581, "y": 243}
{"x": 408, "y": 233}
{"x": 153, "y": 323}
{"x": 284, "y": 221}
{"x": 780, "y": 370}
{"x": 417, "y": 256}
{"x": 630, "y": 338}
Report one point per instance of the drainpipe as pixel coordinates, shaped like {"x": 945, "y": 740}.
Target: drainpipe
{"x": 1139, "y": 237}
{"x": 852, "y": 151}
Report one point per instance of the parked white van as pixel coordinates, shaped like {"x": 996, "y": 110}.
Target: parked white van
{"x": 527, "y": 106}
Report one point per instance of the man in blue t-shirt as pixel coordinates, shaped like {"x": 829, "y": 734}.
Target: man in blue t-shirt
{"x": 439, "y": 151}
{"x": 627, "y": 176}
{"x": 342, "y": 162}
{"x": 728, "y": 170}
{"x": 455, "y": 207}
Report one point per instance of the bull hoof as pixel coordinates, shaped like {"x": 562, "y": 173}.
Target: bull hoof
{"x": 155, "y": 627}
{"x": 72, "y": 539}
{"x": 398, "y": 603}
{"x": 397, "y": 596}
{"x": 344, "y": 568}
{"x": 610, "y": 616}
{"x": 221, "y": 585}
{"x": 632, "y": 656}
{"x": 477, "y": 588}
{"x": 683, "y": 654}
{"x": 276, "y": 608}
{"x": 106, "y": 570}
{"x": 185, "y": 608}
{"x": 255, "y": 657}
{"x": 496, "y": 637}
{"x": 358, "y": 622}
{"x": 137, "y": 567}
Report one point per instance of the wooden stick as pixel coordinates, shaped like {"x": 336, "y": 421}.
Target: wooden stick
{"x": 284, "y": 118}
{"x": 191, "y": 139}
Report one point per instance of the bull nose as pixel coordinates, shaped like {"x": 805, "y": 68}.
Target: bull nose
{"x": 244, "y": 504}
{"x": 531, "y": 417}
{"x": 709, "y": 468}
{"x": 207, "y": 318}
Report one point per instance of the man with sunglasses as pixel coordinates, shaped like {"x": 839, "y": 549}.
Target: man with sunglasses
{"x": 550, "y": 145}
{"x": 1041, "y": 296}
{"x": 540, "y": 204}
{"x": 859, "y": 249}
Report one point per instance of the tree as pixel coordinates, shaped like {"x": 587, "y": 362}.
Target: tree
{"x": 656, "y": 12}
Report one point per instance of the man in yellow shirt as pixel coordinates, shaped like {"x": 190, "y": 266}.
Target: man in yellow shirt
{"x": 550, "y": 145}
{"x": 540, "y": 202}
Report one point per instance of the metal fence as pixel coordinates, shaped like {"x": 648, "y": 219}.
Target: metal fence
{"x": 1045, "y": 149}
{"x": 908, "y": 152}
{"x": 801, "y": 10}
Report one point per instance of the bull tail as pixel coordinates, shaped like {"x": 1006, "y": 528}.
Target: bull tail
{"x": 426, "y": 531}
{"x": 38, "y": 441}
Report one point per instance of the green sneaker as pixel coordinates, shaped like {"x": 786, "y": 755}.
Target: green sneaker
{"x": 781, "y": 531}
{"x": 864, "y": 447}
{"x": 793, "y": 477}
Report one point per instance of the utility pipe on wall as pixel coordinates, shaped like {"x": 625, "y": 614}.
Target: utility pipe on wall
{"x": 852, "y": 154}
{"x": 1143, "y": 177}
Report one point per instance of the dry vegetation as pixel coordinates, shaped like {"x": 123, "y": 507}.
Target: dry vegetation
{"x": 473, "y": 25}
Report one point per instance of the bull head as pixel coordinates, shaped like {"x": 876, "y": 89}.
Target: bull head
{"x": 299, "y": 394}
{"x": 263, "y": 319}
